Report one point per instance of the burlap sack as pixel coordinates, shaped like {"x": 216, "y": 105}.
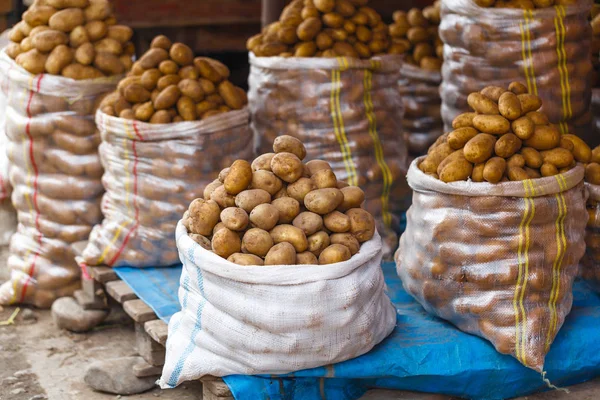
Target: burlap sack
{"x": 590, "y": 263}
{"x": 497, "y": 261}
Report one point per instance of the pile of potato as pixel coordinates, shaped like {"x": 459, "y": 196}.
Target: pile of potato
{"x": 323, "y": 28}
{"x": 280, "y": 211}
{"x": 78, "y": 39}
{"x": 416, "y": 34}
{"x": 523, "y": 4}
{"x": 168, "y": 84}
{"x": 505, "y": 139}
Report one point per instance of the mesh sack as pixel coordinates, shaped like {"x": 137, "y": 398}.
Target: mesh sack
{"x": 347, "y": 112}
{"x": 590, "y": 263}
{"x": 422, "y": 123}
{"x": 56, "y": 175}
{"x": 497, "y": 261}
{"x": 548, "y": 49}
{"x": 152, "y": 173}
{"x": 593, "y": 139}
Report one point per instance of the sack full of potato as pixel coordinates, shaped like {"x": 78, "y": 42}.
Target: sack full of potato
{"x": 279, "y": 251}
{"x": 181, "y": 121}
{"x": 64, "y": 56}
{"x": 495, "y": 232}
{"x": 321, "y": 75}
{"x": 590, "y": 263}
{"x": 545, "y": 43}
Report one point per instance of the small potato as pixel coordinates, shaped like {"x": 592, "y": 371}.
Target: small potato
{"x": 323, "y": 201}
{"x": 262, "y": 162}
{"x": 480, "y": 148}
{"x": 337, "y": 222}
{"x": 544, "y": 138}
{"x": 335, "y": 253}
{"x": 533, "y": 159}
{"x": 66, "y": 20}
{"x": 289, "y": 144}
{"x": 150, "y": 78}
{"x": 58, "y": 59}
{"x": 516, "y": 160}
{"x": 459, "y": 137}
{"x": 166, "y": 81}
{"x": 347, "y": 240}
{"x": 529, "y": 102}
{"x": 47, "y": 40}
{"x": 581, "y": 151}
{"x": 234, "y": 218}
{"x": 517, "y": 88}
{"x": 257, "y": 241}
{"x": 226, "y": 242}
{"x": 507, "y": 145}
{"x": 494, "y": 169}
{"x": 477, "y": 174}
{"x": 559, "y": 157}
{"x": 98, "y": 10}
{"x": 78, "y": 36}
{"x": 85, "y": 54}
{"x": 264, "y": 216}
{"x": 186, "y": 108}
{"x": 207, "y": 70}
{"x": 245, "y": 259}
{"x": 281, "y": 254}
{"x": 318, "y": 242}
{"x": 96, "y": 30}
{"x": 308, "y": 222}
{"x": 287, "y": 166}
{"x": 210, "y": 188}
{"x": 306, "y": 258}
{"x": 362, "y": 224}
{"x": 203, "y": 216}
{"x": 239, "y": 177}
{"x": 353, "y": 198}
{"x": 144, "y": 112}
{"x": 538, "y": 118}
{"x": 167, "y": 98}
{"x": 548, "y": 170}
{"x": 509, "y": 106}
{"x": 592, "y": 173}
{"x": 222, "y": 198}
{"x": 248, "y": 199}
{"x": 291, "y": 234}
{"x": 267, "y": 181}
{"x": 455, "y": 168}
{"x": 288, "y": 209}
{"x": 464, "y": 120}
{"x": 153, "y": 57}
{"x": 316, "y": 165}
{"x": 181, "y": 54}
{"x": 299, "y": 189}
{"x": 33, "y": 61}
{"x": 135, "y": 93}
{"x": 161, "y": 42}
{"x": 482, "y": 104}
{"x": 201, "y": 240}
{"x": 493, "y": 92}
{"x": 523, "y": 127}
{"x": 191, "y": 89}
{"x": 109, "y": 64}
{"x": 120, "y": 33}
{"x": 517, "y": 174}
{"x": 492, "y": 124}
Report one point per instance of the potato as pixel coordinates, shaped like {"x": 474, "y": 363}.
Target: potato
{"x": 435, "y": 157}
{"x": 523, "y": 127}
{"x": 291, "y": 234}
{"x": 226, "y": 242}
{"x": 167, "y": 98}
{"x": 257, "y": 241}
{"x": 210, "y": 188}
{"x": 299, "y": 189}
{"x": 306, "y": 258}
{"x": 239, "y": 177}
{"x": 234, "y": 218}
{"x": 96, "y": 30}
{"x": 98, "y": 10}
{"x": 191, "y": 89}
{"x": 85, "y": 54}
{"x": 181, "y": 54}
{"x": 559, "y": 157}
{"x": 15, "y": 35}
{"x": 313, "y": 166}
{"x": 203, "y": 216}
{"x": 109, "y": 64}
{"x": 317, "y": 242}
{"x": 548, "y": 170}
{"x": 308, "y": 222}
{"x": 201, "y": 240}
{"x": 47, "y": 40}
{"x": 533, "y": 159}
{"x": 27, "y": 44}
{"x": 362, "y": 224}
{"x": 538, "y": 118}
{"x": 309, "y": 29}
{"x": 517, "y": 88}
{"x": 482, "y": 104}
{"x": 517, "y": 174}
{"x": 544, "y": 138}
{"x": 287, "y": 166}
{"x": 323, "y": 201}
{"x": 245, "y": 259}
{"x": 323, "y": 179}
{"x": 335, "y": 253}
{"x": 161, "y": 42}
{"x": 347, "y": 240}
{"x": 592, "y": 173}
{"x": 529, "y": 102}
{"x": 581, "y": 150}
{"x": 516, "y": 160}
{"x": 120, "y": 33}
{"x": 166, "y": 81}
{"x": 33, "y": 61}
{"x": 494, "y": 169}
{"x": 66, "y": 20}
{"x": 567, "y": 144}
{"x": 455, "y": 167}
{"x": 78, "y": 36}
{"x": 186, "y": 108}
{"x": 153, "y": 57}
{"x": 533, "y": 173}
{"x": 289, "y": 144}
{"x": 13, "y": 50}
{"x": 58, "y": 59}
{"x": 480, "y": 148}
{"x": 288, "y": 209}
{"x": 281, "y": 254}
{"x": 595, "y": 154}
{"x": 150, "y": 78}
{"x": 325, "y": 6}
{"x": 108, "y": 45}
{"x": 248, "y": 199}
{"x": 492, "y": 124}
{"x": 507, "y": 145}
{"x": 234, "y": 98}
{"x": 222, "y": 198}
{"x": 493, "y": 92}
{"x": 206, "y": 70}
{"x": 337, "y": 222}
{"x": 459, "y": 137}
{"x": 262, "y": 162}
{"x": 264, "y": 216}
{"x": 509, "y": 106}
{"x": 267, "y": 181}
{"x": 144, "y": 112}
{"x": 135, "y": 93}
{"x": 37, "y": 15}
{"x": 353, "y": 198}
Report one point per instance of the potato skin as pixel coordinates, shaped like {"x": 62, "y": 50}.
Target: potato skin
{"x": 464, "y": 120}
{"x": 592, "y": 173}
{"x": 533, "y": 159}
{"x": 494, "y": 169}
{"x": 267, "y": 181}
{"x": 262, "y": 162}
{"x": 348, "y": 240}
{"x": 323, "y": 201}
{"x": 308, "y": 222}
{"x": 245, "y": 259}
{"x": 289, "y": 144}
{"x": 203, "y": 216}
{"x": 299, "y": 189}
{"x": 337, "y": 222}
{"x": 306, "y": 258}
{"x": 353, "y": 198}
{"x": 362, "y": 224}
{"x": 281, "y": 254}
{"x": 226, "y": 242}
{"x": 493, "y": 124}
{"x": 257, "y": 241}
{"x": 234, "y": 218}
{"x": 324, "y": 178}
{"x": 291, "y": 234}
{"x": 287, "y": 167}
{"x": 249, "y": 199}
{"x": 482, "y": 104}
{"x": 509, "y": 106}
{"x": 480, "y": 148}
{"x": 581, "y": 150}
{"x": 544, "y": 138}
{"x": 559, "y": 157}
{"x": 507, "y": 145}
{"x": 314, "y": 166}
{"x": 264, "y": 216}
{"x": 459, "y": 137}
{"x": 335, "y": 253}
{"x": 288, "y": 208}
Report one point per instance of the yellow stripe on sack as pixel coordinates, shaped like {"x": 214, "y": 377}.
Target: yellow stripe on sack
{"x": 26, "y": 149}
{"x": 529, "y": 17}
{"x": 566, "y": 69}
{"x": 561, "y": 242}
{"x": 524, "y": 53}
{"x": 336, "y": 130}
{"x": 516, "y": 308}
{"x": 13, "y": 299}
{"x": 127, "y": 194}
{"x": 561, "y": 64}
{"x": 385, "y": 170}
{"x": 344, "y": 67}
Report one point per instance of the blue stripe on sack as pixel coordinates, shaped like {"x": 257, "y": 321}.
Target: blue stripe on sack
{"x": 186, "y": 288}
{"x": 197, "y": 328}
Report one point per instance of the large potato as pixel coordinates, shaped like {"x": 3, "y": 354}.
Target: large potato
{"x": 480, "y": 148}
{"x": 291, "y": 234}
{"x": 249, "y": 199}
{"x": 323, "y": 201}
{"x": 289, "y": 144}
{"x": 66, "y": 20}
{"x": 494, "y": 124}
{"x": 264, "y": 216}
{"x": 281, "y": 254}
{"x": 581, "y": 150}
{"x": 308, "y": 222}
{"x": 362, "y": 224}
{"x": 257, "y": 241}
{"x": 203, "y": 216}
{"x": 287, "y": 166}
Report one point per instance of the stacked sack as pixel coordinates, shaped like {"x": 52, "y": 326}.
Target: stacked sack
{"x": 171, "y": 126}
{"x": 547, "y": 44}
{"x": 595, "y": 107}
{"x": 415, "y": 34}
{"x": 55, "y": 168}
{"x": 496, "y": 251}
{"x": 346, "y": 110}
{"x": 590, "y": 264}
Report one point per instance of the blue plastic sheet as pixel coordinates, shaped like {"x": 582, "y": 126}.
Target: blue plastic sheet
{"x": 422, "y": 354}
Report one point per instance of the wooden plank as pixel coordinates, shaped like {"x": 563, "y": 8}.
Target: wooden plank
{"x": 102, "y": 274}
{"x": 157, "y": 330}
{"x": 87, "y": 303}
{"x": 218, "y": 387}
{"x": 139, "y": 311}
{"x": 120, "y": 291}
{"x": 143, "y": 369}
{"x": 152, "y": 351}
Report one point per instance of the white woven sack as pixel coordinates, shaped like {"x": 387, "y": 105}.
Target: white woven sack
{"x": 273, "y": 319}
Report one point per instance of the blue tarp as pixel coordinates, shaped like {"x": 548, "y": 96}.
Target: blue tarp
{"x": 422, "y": 354}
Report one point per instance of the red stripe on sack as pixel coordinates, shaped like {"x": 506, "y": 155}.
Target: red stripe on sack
{"x": 84, "y": 271}
{"x": 5, "y": 89}
{"x": 24, "y": 290}
{"x": 137, "y": 132}
{"x": 135, "y": 205}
